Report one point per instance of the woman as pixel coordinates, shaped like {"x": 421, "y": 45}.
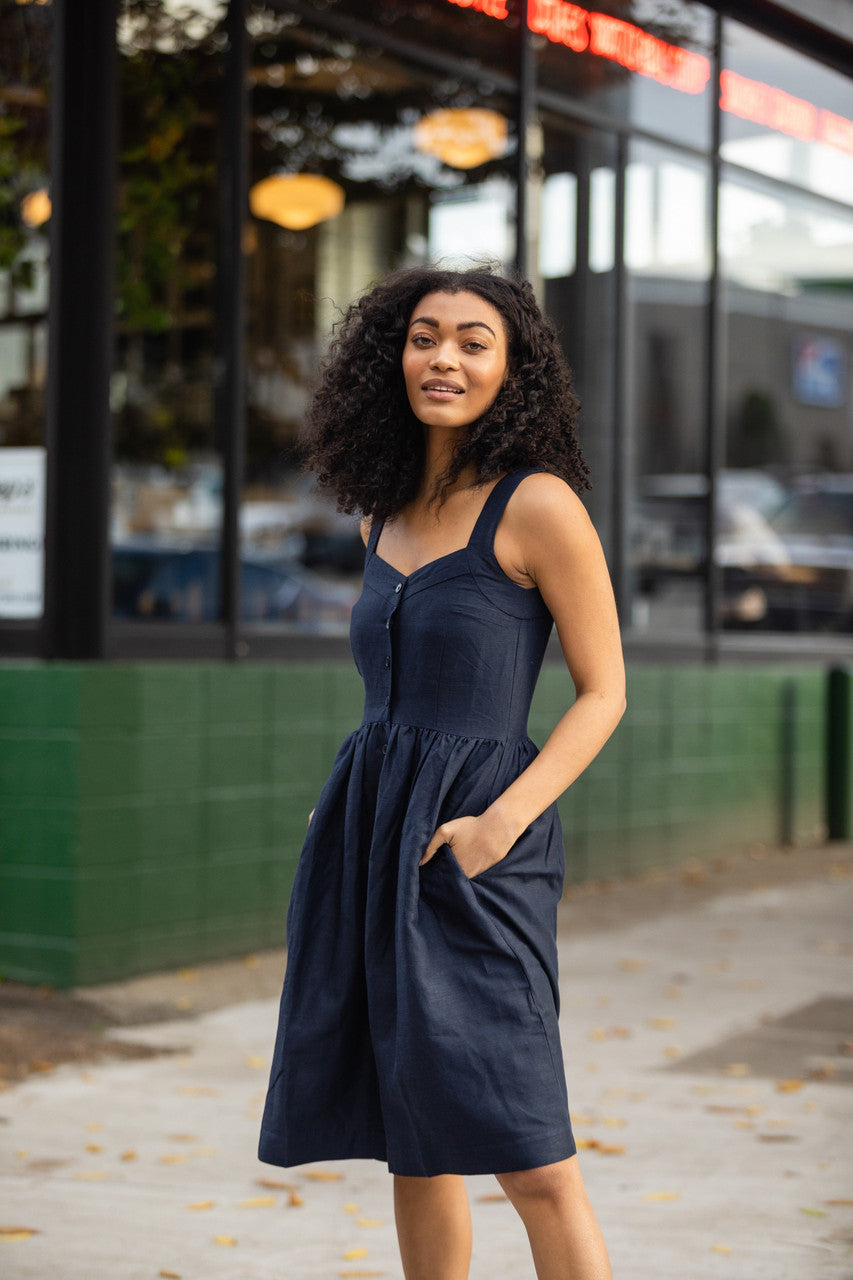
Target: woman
{"x": 418, "y": 1019}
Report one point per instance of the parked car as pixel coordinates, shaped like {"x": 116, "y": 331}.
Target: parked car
{"x": 797, "y": 573}
{"x": 182, "y": 583}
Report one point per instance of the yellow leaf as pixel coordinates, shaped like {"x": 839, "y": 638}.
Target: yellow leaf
{"x": 370, "y": 1222}
{"x": 188, "y": 975}
{"x": 672, "y": 1051}
{"x": 22, "y": 1154}
{"x": 91, "y": 1175}
{"x": 202, "y": 1204}
{"x": 323, "y": 1175}
{"x": 736, "y": 1069}
{"x": 295, "y": 1200}
{"x": 256, "y": 1063}
{"x": 614, "y": 1122}
{"x": 350, "y": 1208}
{"x": 597, "y": 1033}
{"x": 350, "y": 1255}
{"x": 789, "y": 1086}
{"x": 183, "y": 1137}
{"x": 130, "y": 1154}
{"x": 94, "y": 1146}
{"x": 199, "y": 1091}
{"x": 174, "y": 1157}
{"x": 228, "y": 1240}
{"x": 611, "y": 1149}
{"x": 94, "y": 1125}
{"x": 274, "y": 1182}
{"x": 661, "y": 1024}
{"x": 814, "y": 1213}
{"x": 169, "y": 1275}
{"x": 9, "y": 1235}
{"x": 257, "y": 1202}
{"x": 659, "y": 1196}
{"x": 251, "y": 962}
{"x": 721, "y": 1248}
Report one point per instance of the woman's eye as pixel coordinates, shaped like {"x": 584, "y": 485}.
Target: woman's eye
{"x": 421, "y": 339}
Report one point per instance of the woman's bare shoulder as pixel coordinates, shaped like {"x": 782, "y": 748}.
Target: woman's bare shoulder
{"x": 544, "y": 502}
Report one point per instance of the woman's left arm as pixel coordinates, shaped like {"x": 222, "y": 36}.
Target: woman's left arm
{"x": 554, "y": 545}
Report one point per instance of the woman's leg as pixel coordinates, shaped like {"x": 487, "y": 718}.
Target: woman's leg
{"x": 564, "y": 1235}
{"x": 433, "y": 1227}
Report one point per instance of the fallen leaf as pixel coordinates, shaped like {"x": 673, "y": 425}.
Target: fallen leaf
{"x": 22, "y": 1153}
{"x": 295, "y": 1201}
{"x": 659, "y": 1196}
{"x": 662, "y": 1024}
{"x": 201, "y": 1204}
{"x": 10, "y": 1234}
{"x": 736, "y": 1069}
{"x": 615, "y": 1122}
{"x": 94, "y": 1146}
{"x": 274, "y": 1182}
{"x": 621, "y": 1033}
{"x": 169, "y": 1275}
{"x": 492, "y": 1197}
{"x": 824, "y": 1071}
{"x": 351, "y": 1208}
{"x": 597, "y": 1033}
{"x": 721, "y": 1248}
{"x": 350, "y": 1255}
{"x": 257, "y": 1202}
{"x": 184, "y": 1002}
{"x": 323, "y": 1175}
{"x": 130, "y": 1154}
{"x": 228, "y": 1240}
{"x": 251, "y": 962}
{"x": 94, "y": 1125}
{"x": 38, "y": 1064}
{"x": 370, "y": 1222}
{"x": 256, "y": 1063}
{"x": 672, "y": 1051}
{"x": 188, "y": 975}
{"x": 844, "y": 1200}
{"x": 199, "y": 1091}
{"x": 789, "y": 1086}
{"x": 174, "y": 1157}
{"x": 630, "y": 965}
{"x": 814, "y": 1213}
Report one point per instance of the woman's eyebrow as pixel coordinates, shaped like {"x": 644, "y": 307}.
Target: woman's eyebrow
{"x": 468, "y": 324}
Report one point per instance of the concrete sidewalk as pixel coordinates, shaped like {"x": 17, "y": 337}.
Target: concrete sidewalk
{"x": 709, "y": 1059}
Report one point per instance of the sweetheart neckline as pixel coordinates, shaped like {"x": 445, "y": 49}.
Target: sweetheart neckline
{"x": 438, "y": 560}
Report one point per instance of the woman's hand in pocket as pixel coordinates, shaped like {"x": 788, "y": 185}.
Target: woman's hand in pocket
{"x": 477, "y": 843}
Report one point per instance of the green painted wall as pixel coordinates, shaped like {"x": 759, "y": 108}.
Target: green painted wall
{"x": 151, "y": 814}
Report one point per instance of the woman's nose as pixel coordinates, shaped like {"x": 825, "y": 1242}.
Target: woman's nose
{"x": 444, "y": 357}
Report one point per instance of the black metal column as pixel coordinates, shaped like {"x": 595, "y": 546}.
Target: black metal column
{"x": 231, "y": 315}
{"x": 80, "y": 327}
{"x": 526, "y": 110}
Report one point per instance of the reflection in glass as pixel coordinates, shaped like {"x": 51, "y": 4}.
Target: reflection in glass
{"x": 423, "y": 167}
{"x": 167, "y": 473}
{"x": 667, "y": 254}
{"x": 787, "y": 261}
{"x": 25, "y": 44}
{"x": 785, "y": 115}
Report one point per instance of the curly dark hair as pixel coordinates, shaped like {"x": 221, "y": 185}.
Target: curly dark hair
{"x": 364, "y": 441}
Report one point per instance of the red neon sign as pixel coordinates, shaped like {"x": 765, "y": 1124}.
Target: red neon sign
{"x": 631, "y": 47}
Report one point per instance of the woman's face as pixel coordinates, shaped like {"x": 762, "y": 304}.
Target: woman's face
{"x": 455, "y": 358}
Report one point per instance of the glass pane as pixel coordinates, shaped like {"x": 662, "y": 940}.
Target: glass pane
{"x": 166, "y": 498}
{"x": 644, "y": 63}
{"x": 667, "y": 256}
{"x": 785, "y": 115}
{"x": 25, "y": 42}
{"x": 786, "y": 532}
{"x": 577, "y": 287}
{"x": 360, "y": 163}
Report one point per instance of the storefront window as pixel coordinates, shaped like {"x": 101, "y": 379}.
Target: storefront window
{"x": 25, "y": 42}
{"x": 575, "y": 260}
{"x": 785, "y": 115}
{"x": 647, "y": 64}
{"x": 360, "y": 163}
{"x": 667, "y": 259}
{"x": 166, "y": 504}
{"x": 785, "y": 540}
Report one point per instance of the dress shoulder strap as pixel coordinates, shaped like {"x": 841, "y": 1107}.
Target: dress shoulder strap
{"x": 373, "y": 538}
{"x": 483, "y": 536}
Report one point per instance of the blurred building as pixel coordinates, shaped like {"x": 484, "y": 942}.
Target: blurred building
{"x": 190, "y": 191}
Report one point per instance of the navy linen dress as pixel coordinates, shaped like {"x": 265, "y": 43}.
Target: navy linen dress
{"x": 418, "y": 1019}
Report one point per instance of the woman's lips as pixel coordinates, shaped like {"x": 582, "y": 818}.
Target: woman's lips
{"x": 441, "y": 390}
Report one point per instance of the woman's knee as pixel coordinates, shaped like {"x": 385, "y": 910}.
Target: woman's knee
{"x": 549, "y": 1182}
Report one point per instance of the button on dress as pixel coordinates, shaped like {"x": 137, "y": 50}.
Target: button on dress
{"x": 418, "y": 1017}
